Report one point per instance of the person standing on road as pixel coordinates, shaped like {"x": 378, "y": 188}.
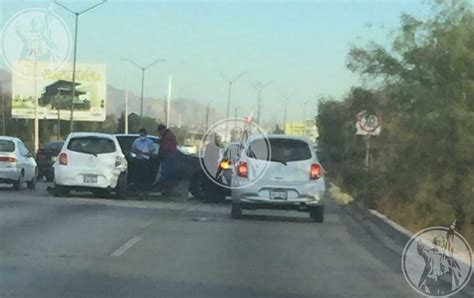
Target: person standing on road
{"x": 143, "y": 147}
{"x": 167, "y": 157}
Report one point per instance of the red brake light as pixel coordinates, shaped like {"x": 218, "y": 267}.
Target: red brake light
{"x": 242, "y": 169}
{"x": 315, "y": 172}
{"x": 63, "y": 159}
{"x": 224, "y": 165}
{"x": 7, "y": 159}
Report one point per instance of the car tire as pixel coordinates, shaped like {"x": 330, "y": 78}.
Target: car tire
{"x": 102, "y": 193}
{"x": 17, "y": 184}
{"x": 121, "y": 188}
{"x": 49, "y": 177}
{"x": 236, "y": 211}
{"x": 317, "y": 214}
{"x": 60, "y": 191}
{"x": 32, "y": 183}
{"x": 197, "y": 186}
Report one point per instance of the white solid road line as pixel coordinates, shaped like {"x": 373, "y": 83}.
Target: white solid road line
{"x": 127, "y": 245}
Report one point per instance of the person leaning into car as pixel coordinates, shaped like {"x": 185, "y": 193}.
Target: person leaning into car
{"x": 143, "y": 147}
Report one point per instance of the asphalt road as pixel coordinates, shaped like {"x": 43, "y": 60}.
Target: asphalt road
{"x": 86, "y": 247}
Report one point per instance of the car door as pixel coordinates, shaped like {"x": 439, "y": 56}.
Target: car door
{"x": 27, "y": 161}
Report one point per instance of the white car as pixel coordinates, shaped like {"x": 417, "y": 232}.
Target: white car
{"x": 91, "y": 162}
{"x": 278, "y": 172}
{"x": 17, "y": 164}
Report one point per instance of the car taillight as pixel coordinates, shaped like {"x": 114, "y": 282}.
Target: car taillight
{"x": 118, "y": 161}
{"x": 224, "y": 165}
{"x": 315, "y": 172}
{"x": 242, "y": 169}
{"x": 7, "y": 159}
{"x": 63, "y": 159}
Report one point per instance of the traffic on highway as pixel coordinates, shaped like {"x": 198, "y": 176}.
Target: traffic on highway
{"x": 236, "y": 149}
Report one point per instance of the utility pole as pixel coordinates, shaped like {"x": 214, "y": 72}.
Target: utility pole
{"x": 285, "y": 113}
{"x": 126, "y": 105}
{"x": 260, "y": 86}
{"x": 207, "y": 117}
{"x": 76, "y": 14}
{"x": 3, "y": 109}
{"x": 59, "y": 125}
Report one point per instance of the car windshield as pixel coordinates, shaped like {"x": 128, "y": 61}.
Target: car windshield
{"x": 91, "y": 145}
{"x": 7, "y": 146}
{"x": 126, "y": 143}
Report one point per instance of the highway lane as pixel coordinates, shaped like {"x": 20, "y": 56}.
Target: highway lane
{"x": 84, "y": 247}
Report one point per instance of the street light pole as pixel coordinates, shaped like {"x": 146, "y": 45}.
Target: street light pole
{"x": 143, "y": 68}
{"x": 3, "y": 109}
{"x": 231, "y": 81}
{"x": 260, "y": 86}
{"x": 76, "y": 14}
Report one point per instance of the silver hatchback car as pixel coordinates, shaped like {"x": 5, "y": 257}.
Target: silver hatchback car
{"x": 278, "y": 172}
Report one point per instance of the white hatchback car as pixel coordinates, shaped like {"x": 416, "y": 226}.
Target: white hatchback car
{"x": 17, "y": 164}
{"x": 278, "y": 172}
{"x": 91, "y": 162}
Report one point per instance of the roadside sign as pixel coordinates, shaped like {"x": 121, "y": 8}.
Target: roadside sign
{"x": 367, "y": 124}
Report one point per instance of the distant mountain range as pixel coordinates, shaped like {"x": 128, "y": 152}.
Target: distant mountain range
{"x": 183, "y": 111}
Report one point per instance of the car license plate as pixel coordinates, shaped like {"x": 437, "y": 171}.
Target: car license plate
{"x": 90, "y": 178}
{"x": 278, "y": 195}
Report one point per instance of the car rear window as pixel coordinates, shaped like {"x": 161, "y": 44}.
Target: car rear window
{"x": 282, "y": 150}
{"x": 91, "y": 145}
{"x": 54, "y": 145}
{"x": 7, "y": 146}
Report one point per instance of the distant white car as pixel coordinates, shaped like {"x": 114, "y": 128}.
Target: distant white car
{"x": 91, "y": 162}
{"x": 17, "y": 164}
{"x": 278, "y": 172}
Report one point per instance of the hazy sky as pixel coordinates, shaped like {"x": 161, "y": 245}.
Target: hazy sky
{"x": 301, "y": 46}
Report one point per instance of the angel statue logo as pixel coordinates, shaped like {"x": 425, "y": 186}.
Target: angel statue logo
{"x": 437, "y": 261}
{"x": 32, "y": 35}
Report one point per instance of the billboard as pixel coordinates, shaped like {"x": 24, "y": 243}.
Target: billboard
{"x": 298, "y": 129}
{"x": 294, "y": 128}
{"x": 53, "y": 89}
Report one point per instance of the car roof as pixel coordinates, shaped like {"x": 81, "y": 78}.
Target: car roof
{"x": 278, "y": 136}
{"x": 91, "y": 134}
{"x": 135, "y": 135}
{"x": 7, "y": 138}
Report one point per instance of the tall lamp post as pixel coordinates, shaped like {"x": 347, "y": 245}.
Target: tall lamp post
{"x": 3, "y": 107}
{"x": 143, "y": 68}
{"x": 230, "y": 81}
{"x": 260, "y": 86}
{"x": 77, "y": 14}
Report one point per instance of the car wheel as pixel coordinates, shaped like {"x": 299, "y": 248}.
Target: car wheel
{"x": 317, "y": 214}
{"x": 32, "y": 183}
{"x": 17, "y": 184}
{"x": 236, "y": 211}
{"x": 215, "y": 194}
{"x": 121, "y": 188}
{"x": 60, "y": 191}
{"x": 198, "y": 186}
{"x": 50, "y": 177}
